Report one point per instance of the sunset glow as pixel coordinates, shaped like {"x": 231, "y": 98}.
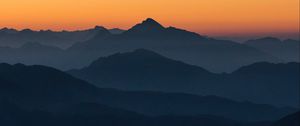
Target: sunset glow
{"x": 209, "y": 17}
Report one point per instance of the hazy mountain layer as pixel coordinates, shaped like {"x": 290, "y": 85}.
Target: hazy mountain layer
{"x": 214, "y": 55}
{"x": 287, "y": 50}
{"x": 62, "y": 39}
{"x": 276, "y": 84}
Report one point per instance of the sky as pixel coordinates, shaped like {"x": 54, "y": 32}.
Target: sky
{"x": 223, "y": 18}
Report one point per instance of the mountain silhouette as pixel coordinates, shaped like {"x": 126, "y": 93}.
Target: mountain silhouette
{"x": 146, "y": 70}
{"x": 90, "y": 114}
{"x": 150, "y": 29}
{"x": 265, "y": 80}
{"x": 290, "y": 120}
{"x": 147, "y": 26}
{"x": 46, "y": 89}
{"x": 62, "y": 39}
{"x": 33, "y": 53}
{"x": 37, "y": 47}
{"x": 142, "y": 70}
{"x": 148, "y": 75}
{"x": 87, "y": 45}
{"x": 212, "y": 54}
{"x": 287, "y": 50}
{"x": 4, "y": 31}
{"x": 81, "y": 114}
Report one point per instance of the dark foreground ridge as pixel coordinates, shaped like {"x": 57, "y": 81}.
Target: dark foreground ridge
{"x": 46, "y": 92}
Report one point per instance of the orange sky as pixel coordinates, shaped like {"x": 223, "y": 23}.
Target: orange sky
{"x": 209, "y": 17}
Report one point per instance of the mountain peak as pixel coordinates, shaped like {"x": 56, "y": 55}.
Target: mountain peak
{"x": 99, "y": 28}
{"x": 139, "y": 53}
{"x": 269, "y": 39}
{"x": 147, "y": 25}
{"x": 8, "y": 30}
{"x": 142, "y": 61}
{"x": 4, "y": 29}
{"x": 27, "y": 30}
{"x": 151, "y": 21}
{"x": 99, "y": 32}
{"x": 145, "y": 52}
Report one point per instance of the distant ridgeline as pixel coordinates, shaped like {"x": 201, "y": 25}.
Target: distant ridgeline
{"x": 270, "y": 83}
{"x": 62, "y": 39}
{"x": 83, "y": 47}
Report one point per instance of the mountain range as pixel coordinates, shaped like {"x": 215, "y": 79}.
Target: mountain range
{"x": 148, "y": 75}
{"x": 62, "y": 39}
{"x": 146, "y": 70}
{"x": 290, "y": 120}
{"x": 89, "y": 114}
{"x": 287, "y": 50}
{"x": 44, "y": 89}
{"x": 209, "y": 53}
{"x": 174, "y": 43}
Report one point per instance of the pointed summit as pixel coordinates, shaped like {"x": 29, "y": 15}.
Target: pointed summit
{"x": 147, "y": 25}
{"x": 99, "y": 28}
{"x": 151, "y": 22}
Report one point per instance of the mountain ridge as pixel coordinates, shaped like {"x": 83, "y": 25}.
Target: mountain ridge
{"x": 45, "y": 88}
{"x": 286, "y": 49}
{"x": 212, "y": 54}
{"x": 62, "y": 39}
{"x": 147, "y": 70}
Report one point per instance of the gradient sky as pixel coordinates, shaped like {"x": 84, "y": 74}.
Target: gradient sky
{"x": 209, "y": 17}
